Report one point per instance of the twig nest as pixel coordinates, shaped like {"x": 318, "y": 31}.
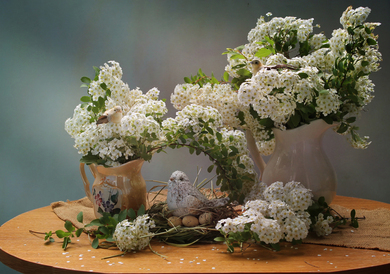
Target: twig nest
{"x": 206, "y": 218}
{"x": 174, "y": 221}
{"x": 190, "y": 221}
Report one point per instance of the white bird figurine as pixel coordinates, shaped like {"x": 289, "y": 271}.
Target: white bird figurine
{"x": 113, "y": 115}
{"x": 257, "y": 65}
{"x": 185, "y": 199}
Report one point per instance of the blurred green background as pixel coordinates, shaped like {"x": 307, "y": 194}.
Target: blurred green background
{"x": 47, "y": 46}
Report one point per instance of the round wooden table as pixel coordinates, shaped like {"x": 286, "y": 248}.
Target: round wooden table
{"x": 27, "y": 253}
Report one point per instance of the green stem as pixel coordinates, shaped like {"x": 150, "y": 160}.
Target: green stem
{"x": 113, "y": 256}
{"x": 158, "y": 254}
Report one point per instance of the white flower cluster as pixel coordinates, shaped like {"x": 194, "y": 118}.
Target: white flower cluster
{"x": 275, "y": 26}
{"x": 272, "y": 27}
{"x": 277, "y": 213}
{"x": 190, "y": 116}
{"x": 133, "y": 235}
{"x": 140, "y": 114}
{"x": 219, "y": 96}
{"x": 274, "y": 94}
{"x": 322, "y": 226}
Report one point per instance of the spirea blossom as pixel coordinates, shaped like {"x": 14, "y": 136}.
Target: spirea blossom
{"x": 273, "y": 213}
{"x": 110, "y": 141}
{"x": 219, "y": 96}
{"x": 133, "y": 235}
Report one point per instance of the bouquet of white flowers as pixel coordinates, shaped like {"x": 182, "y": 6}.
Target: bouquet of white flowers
{"x": 286, "y": 76}
{"x": 135, "y": 136}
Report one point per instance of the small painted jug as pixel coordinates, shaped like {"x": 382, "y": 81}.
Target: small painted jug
{"x": 115, "y": 188}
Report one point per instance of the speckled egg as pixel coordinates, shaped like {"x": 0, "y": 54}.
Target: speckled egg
{"x": 206, "y": 218}
{"x": 174, "y": 221}
{"x": 190, "y": 221}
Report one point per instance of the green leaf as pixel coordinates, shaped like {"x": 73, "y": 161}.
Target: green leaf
{"x": 97, "y": 71}
{"x": 131, "y": 214}
{"x": 85, "y": 99}
{"x": 353, "y": 214}
{"x": 141, "y": 210}
{"x": 80, "y": 217}
{"x": 95, "y": 243}
{"x": 69, "y": 226}
{"x": 103, "y": 86}
{"x": 210, "y": 130}
{"x": 351, "y": 120}
{"x": 86, "y": 80}
{"x": 65, "y": 242}
{"x": 263, "y": 52}
{"x": 101, "y": 102}
{"x": 95, "y": 222}
{"x": 235, "y": 55}
{"x": 275, "y": 246}
{"x": 328, "y": 119}
{"x": 122, "y": 215}
{"x": 60, "y": 233}
{"x": 324, "y": 92}
{"x": 104, "y": 230}
{"x": 303, "y": 75}
{"x": 187, "y": 80}
{"x": 219, "y": 136}
{"x": 365, "y": 63}
{"x": 48, "y": 235}
{"x": 226, "y": 76}
{"x": 79, "y": 231}
{"x": 244, "y": 72}
{"x": 294, "y": 120}
{"x": 343, "y": 128}
{"x": 219, "y": 239}
{"x": 371, "y": 41}
{"x": 210, "y": 168}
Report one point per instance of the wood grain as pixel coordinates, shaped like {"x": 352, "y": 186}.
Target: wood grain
{"x": 27, "y": 253}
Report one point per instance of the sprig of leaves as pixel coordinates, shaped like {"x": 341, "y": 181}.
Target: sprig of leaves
{"x": 107, "y": 224}
{"x": 99, "y": 106}
{"x": 320, "y": 206}
{"x": 70, "y": 232}
{"x": 106, "y": 228}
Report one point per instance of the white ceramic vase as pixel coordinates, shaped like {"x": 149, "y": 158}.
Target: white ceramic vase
{"x": 299, "y": 156}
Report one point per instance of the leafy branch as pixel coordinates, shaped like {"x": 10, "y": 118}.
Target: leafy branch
{"x": 70, "y": 232}
{"x": 96, "y": 106}
{"x": 106, "y": 228}
{"x": 320, "y": 206}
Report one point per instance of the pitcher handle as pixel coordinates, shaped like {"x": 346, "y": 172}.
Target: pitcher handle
{"x": 259, "y": 161}
{"x": 85, "y": 180}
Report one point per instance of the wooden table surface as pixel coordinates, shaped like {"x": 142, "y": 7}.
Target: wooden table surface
{"x": 27, "y": 253}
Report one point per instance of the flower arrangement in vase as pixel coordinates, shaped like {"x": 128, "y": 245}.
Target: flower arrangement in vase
{"x": 286, "y": 77}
